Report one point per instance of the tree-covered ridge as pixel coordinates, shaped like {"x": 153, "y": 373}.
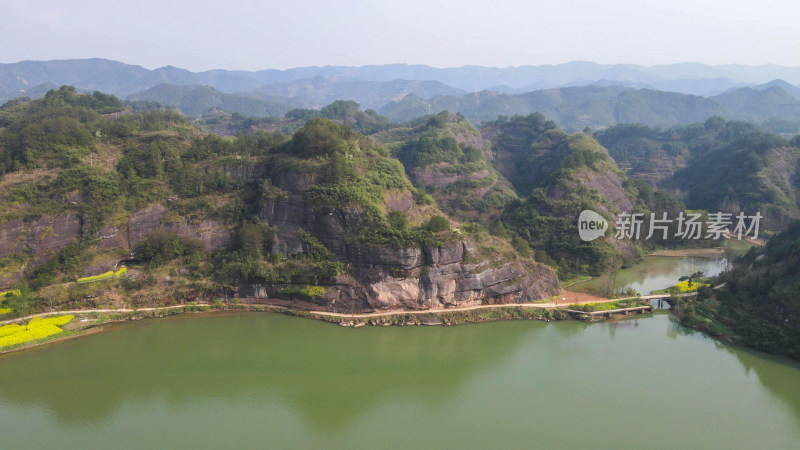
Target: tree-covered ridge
{"x": 328, "y": 176}
{"x": 347, "y": 171}
{"x": 447, "y": 156}
{"x": 60, "y": 153}
{"x": 487, "y": 105}
{"x": 346, "y": 112}
{"x": 759, "y": 305}
{"x": 558, "y": 175}
{"x": 79, "y": 167}
{"x": 195, "y": 101}
{"x": 54, "y": 131}
{"x": 201, "y": 214}
{"x": 529, "y": 150}
{"x": 716, "y": 166}
{"x": 597, "y": 107}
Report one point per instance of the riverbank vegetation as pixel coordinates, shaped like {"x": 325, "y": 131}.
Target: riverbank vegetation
{"x": 36, "y": 329}
{"x": 685, "y": 286}
{"x": 608, "y": 306}
{"x": 759, "y": 306}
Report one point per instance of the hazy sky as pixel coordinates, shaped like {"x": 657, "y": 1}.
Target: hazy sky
{"x": 245, "y": 34}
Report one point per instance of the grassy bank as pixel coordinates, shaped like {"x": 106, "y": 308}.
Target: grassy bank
{"x": 447, "y": 318}
{"x": 706, "y": 315}
{"x": 607, "y": 306}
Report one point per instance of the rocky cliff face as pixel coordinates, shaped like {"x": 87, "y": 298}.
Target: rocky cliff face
{"x": 380, "y": 279}
{"x": 147, "y": 220}
{"x": 35, "y": 242}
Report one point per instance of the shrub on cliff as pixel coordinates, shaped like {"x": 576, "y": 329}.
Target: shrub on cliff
{"x": 162, "y": 247}
{"x": 437, "y": 224}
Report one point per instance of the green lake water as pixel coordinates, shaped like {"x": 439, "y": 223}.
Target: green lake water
{"x": 660, "y": 272}
{"x": 263, "y": 380}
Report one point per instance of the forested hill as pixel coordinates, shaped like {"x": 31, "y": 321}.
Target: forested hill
{"x": 449, "y": 158}
{"x": 557, "y": 175}
{"x": 325, "y": 219}
{"x": 575, "y": 95}
{"x": 573, "y": 108}
{"x": 196, "y": 101}
{"x": 759, "y": 305}
{"x": 716, "y": 165}
{"x": 319, "y": 91}
{"x": 596, "y": 107}
{"x": 87, "y": 178}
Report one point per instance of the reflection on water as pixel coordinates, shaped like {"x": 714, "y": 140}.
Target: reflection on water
{"x": 268, "y": 380}
{"x": 313, "y": 366}
{"x": 660, "y": 272}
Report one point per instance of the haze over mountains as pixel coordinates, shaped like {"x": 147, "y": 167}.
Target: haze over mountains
{"x": 575, "y": 95}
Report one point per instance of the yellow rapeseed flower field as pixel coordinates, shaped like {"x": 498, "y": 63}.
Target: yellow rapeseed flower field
{"x": 684, "y": 286}
{"x": 37, "y": 328}
{"x": 92, "y": 279}
{"x": 103, "y": 276}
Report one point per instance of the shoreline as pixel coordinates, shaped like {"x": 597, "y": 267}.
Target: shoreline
{"x": 689, "y": 252}
{"x": 88, "y": 322}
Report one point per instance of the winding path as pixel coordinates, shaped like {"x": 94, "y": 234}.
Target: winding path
{"x": 579, "y": 298}
{"x": 86, "y": 311}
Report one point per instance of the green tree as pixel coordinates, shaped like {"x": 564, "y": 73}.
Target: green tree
{"x": 437, "y": 223}
{"x": 398, "y": 220}
{"x": 154, "y": 167}
{"x": 692, "y": 278}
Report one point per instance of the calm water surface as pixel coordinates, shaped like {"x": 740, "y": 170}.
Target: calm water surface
{"x": 660, "y": 272}
{"x": 272, "y": 381}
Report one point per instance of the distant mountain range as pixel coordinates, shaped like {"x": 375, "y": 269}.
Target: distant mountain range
{"x": 319, "y": 91}
{"x": 575, "y": 95}
{"x": 194, "y": 101}
{"x": 122, "y": 79}
{"x": 575, "y": 108}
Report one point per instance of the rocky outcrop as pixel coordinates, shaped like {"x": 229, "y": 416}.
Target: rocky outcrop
{"x": 11, "y": 237}
{"x": 40, "y": 239}
{"x": 12, "y": 241}
{"x": 112, "y": 236}
{"x": 441, "y": 280}
{"x": 381, "y": 279}
{"x": 144, "y": 222}
{"x": 210, "y": 232}
{"x": 45, "y": 236}
{"x": 147, "y": 220}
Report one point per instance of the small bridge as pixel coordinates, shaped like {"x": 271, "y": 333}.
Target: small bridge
{"x": 611, "y": 312}
{"x": 662, "y": 297}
